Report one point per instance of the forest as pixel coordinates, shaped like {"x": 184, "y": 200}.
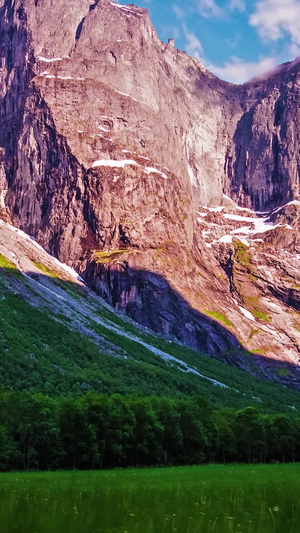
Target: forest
{"x": 98, "y": 431}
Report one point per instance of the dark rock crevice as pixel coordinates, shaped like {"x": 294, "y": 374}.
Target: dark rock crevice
{"x": 80, "y": 25}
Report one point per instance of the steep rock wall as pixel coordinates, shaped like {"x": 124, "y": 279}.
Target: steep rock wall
{"x": 100, "y": 86}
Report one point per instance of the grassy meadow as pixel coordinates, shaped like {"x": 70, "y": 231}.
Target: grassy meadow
{"x": 200, "y": 499}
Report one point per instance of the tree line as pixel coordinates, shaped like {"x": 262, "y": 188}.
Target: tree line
{"x": 101, "y": 431}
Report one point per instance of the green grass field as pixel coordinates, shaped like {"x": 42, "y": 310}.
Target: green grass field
{"x": 202, "y": 499}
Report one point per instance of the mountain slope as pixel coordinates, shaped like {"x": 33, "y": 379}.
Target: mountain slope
{"x": 58, "y": 337}
{"x": 111, "y": 142}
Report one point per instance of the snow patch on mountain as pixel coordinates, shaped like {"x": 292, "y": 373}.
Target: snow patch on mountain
{"x": 112, "y": 163}
{"x": 151, "y": 170}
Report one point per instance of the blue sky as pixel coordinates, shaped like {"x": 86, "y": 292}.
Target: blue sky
{"x": 235, "y": 39}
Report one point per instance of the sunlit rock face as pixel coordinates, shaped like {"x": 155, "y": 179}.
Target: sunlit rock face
{"x": 111, "y": 141}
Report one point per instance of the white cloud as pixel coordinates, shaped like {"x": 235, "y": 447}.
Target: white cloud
{"x": 235, "y": 70}
{"x": 180, "y": 13}
{"x": 238, "y": 71}
{"x": 193, "y": 46}
{"x": 237, "y": 5}
{"x": 294, "y": 50}
{"x": 208, "y": 8}
{"x": 274, "y": 19}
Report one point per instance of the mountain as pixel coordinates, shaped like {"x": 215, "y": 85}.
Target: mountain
{"x": 173, "y": 194}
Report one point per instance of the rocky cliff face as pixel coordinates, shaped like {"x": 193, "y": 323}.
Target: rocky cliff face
{"x": 110, "y": 141}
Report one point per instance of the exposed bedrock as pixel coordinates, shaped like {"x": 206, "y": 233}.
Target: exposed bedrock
{"x": 110, "y": 140}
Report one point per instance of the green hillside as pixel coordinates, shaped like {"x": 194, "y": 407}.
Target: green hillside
{"x": 78, "y": 345}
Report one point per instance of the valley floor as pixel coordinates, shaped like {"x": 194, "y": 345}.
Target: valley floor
{"x": 200, "y": 499}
